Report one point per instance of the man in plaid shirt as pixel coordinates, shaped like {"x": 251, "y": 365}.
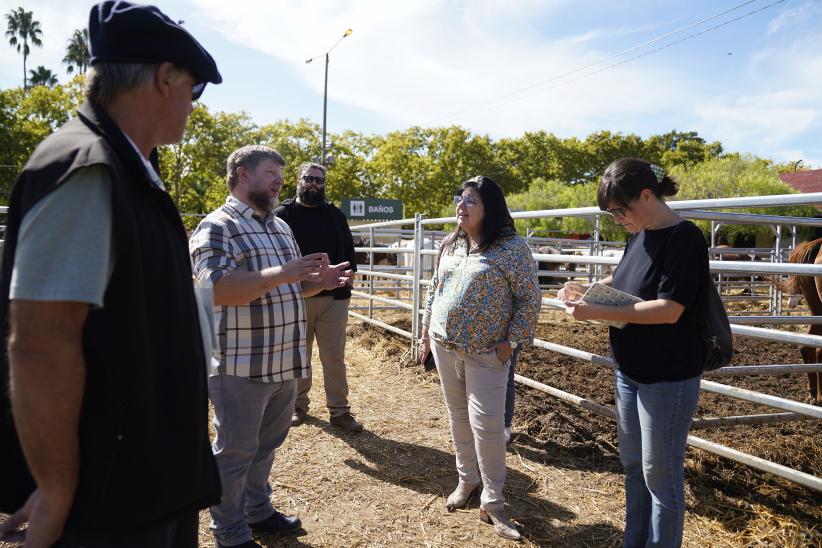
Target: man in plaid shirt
{"x": 260, "y": 280}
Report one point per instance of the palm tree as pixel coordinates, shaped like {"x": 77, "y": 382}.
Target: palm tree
{"x": 22, "y": 28}
{"x": 77, "y": 54}
{"x": 41, "y": 76}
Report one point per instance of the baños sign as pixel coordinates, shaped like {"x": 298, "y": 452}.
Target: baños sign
{"x": 372, "y": 209}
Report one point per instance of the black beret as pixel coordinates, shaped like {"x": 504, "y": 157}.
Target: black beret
{"x": 135, "y": 33}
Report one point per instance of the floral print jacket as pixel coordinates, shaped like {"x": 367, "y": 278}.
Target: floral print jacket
{"x": 478, "y": 299}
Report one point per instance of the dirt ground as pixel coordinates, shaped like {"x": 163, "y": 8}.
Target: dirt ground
{"x": 387, "y": 486}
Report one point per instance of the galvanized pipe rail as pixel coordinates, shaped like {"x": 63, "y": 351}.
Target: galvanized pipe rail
{"x": 765, "y": 418}
{"x": 709, "y": 386}
{"x": 775, "y": 369}
{"x": 385, "y": 300}
{"x": 796, "y": 476}
{"x": 733, "y": 267}
{"x": 774, "y": 335}
{"x": 775, "y": 320}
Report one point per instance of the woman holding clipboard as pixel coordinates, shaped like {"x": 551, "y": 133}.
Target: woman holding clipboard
{"x": 660, "y": 352}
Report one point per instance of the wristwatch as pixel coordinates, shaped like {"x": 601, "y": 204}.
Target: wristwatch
{"x": 514, "y": 344}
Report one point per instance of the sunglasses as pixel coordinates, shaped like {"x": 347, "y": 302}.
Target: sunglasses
{"x": 197, "y": 90}
{"x": 313, "y": 179}
{"x": 468, "y": 201}
{"x": 618, "y": 212}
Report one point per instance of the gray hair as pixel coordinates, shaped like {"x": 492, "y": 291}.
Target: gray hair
{"x": 105, "y": 81}
{"x": 248, "y": 157}
{"x": 305, "y": 167}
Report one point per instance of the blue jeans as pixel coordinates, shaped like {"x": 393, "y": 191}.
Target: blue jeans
{"x": 652, "y": 426}
{"x": 510, "y": 392}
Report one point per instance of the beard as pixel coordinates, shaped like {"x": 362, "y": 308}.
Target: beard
{"x": 262, "y": 200}
{"x": 311, "y": 196}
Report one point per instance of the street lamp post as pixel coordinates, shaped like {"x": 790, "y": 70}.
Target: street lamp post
{"x": 325, "y": 90}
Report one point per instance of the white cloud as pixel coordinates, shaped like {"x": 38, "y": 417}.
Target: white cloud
{"x": 794, "y": 15}
{"x": 415, "y": 63}
{"x": 418, "y": 62}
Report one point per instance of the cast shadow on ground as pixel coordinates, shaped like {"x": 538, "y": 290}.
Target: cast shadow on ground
{"x": 729, "y": 501}
{"x": 584, "y": 457}
{"x": 275, "y": 541}
{"x": 432, "y": 471}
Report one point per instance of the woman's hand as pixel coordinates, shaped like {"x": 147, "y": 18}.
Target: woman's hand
{"x": 502, "y": 349}
{"x": 570, "y": 291}
{"x": 424, "y": 348}
{"x": 580, "y": 310}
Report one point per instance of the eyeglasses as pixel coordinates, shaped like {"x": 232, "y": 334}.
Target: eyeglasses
{"x": 618, "y": 212}
{"x": 313, "y": 179}
{"x": 469, "y": 201}
{"x": 197, "y": 90}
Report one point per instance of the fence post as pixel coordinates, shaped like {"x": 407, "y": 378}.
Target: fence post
{"x": 415, "y": 290}
{"x": 372, "y": 245}
{"x": 775, "y": 292}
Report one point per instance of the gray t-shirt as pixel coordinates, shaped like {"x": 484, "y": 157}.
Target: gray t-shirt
{"x": 64, "y": 246}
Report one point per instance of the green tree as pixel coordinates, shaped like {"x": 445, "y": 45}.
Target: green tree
{"x": 41, "y": 76}
{"x": 424, "y": 166}
{"x": 21, "y": 28}
{"x": 28, "y": 118}
{"x": 77, "y": 52}
{"x": 348, "y": 176}
{"x": 556, "y": 194}
{"x": 194, "y": 169}
{"x": 683, "y": 148}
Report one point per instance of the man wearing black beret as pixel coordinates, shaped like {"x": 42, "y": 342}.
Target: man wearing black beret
{"x": 105, "y": 372}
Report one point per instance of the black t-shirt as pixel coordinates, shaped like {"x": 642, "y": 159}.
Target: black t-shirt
{"x": 323, "y": 229}
{"x": 668, "y": 263}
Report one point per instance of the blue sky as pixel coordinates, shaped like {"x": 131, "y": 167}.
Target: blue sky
{"x": 755, "y": 84}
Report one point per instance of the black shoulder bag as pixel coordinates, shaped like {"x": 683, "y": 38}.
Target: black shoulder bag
{"x": 716, "y": 333}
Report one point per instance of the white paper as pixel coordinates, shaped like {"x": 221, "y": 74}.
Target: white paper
{"x": 602, "y": 294}
{"x": 204, "y": 295}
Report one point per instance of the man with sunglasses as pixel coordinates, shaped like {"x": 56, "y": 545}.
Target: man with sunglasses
{"x": 105, "y": 368}
{"x": 319, "y": 226}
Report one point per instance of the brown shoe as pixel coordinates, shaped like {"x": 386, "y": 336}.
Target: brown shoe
{"x": 503, "y": 526}
{"x": 347, "y": 422}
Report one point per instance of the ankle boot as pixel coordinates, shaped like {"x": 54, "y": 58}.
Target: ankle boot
{"x": 502, "y": 525}
{"x": 461, "y": 496}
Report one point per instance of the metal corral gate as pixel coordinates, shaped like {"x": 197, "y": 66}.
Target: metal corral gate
{"x": 692, "y": 209}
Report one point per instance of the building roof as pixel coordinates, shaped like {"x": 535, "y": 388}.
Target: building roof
{"x": 804, "y": 181}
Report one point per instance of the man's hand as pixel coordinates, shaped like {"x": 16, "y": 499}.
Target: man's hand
{"x": 333, "y": 276}
{"x": 45, "y": 515}
{"x": 304, "y": 269}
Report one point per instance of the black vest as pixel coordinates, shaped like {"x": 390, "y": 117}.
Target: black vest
{"x": 144, "y": 444}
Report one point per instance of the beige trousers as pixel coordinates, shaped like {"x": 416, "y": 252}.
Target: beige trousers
{"x": 474, "y": 387}
{"x": 327, "y": 319}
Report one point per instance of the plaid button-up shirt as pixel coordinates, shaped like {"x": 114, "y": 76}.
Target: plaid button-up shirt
{"x": 263, "y": 340}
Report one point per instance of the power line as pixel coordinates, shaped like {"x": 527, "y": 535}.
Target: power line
{"x": 490, "y": 103}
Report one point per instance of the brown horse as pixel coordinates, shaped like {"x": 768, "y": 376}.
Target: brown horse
{"x": 811, "y": 289}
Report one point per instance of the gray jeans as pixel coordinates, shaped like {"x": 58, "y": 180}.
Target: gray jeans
{"x": 473, "y": 386}
{"x": 252, "y": 420}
